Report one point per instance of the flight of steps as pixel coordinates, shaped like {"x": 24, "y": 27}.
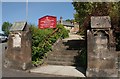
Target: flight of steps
{"x": 61, "y": 56}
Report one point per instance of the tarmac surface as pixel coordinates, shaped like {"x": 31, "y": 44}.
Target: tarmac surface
{"x": 11, "y": 73}
{"x": 0, "y": 60}
{"x": 68, "y": 71}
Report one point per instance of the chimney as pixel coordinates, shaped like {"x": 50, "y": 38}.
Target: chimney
{"x": 61, "y": 21}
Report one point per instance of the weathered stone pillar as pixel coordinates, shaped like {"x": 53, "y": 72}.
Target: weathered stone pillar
{"x": 18, "y": 53}
{"x": 101, "y": 54}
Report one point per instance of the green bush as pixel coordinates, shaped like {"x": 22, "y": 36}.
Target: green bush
{"x": 42, "y": 41}
{"x": 118, "y": 41}
{"x": 83, "y": 57}
{"x": 63, "y": 31}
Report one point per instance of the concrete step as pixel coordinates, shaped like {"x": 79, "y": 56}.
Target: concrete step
{"x": 61, "y": 56}
{"x": 60, "y": 63}
{"x": 65, "y": 59}
{"x": 60, "y": 59}
{"x": 63, "y": 49}
{"x": 64, "y": 52}
{"x": 60, "y": 47}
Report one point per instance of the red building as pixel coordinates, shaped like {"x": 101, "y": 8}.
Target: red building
{"x": 47, "y": 22}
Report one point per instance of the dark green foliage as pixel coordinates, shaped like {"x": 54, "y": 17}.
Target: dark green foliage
{"x": 5, "y": 27}
{"x": 83, "y": 57}
{"x": 118, "y": 41}
{"x": 63, "y": 32}
{"x": 84, "y": 10}
{"x": 42, "y": 41}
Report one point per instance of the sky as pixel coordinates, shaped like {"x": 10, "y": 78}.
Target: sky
{"x": 0, "y": 15}
{"x": 16, "y": 11}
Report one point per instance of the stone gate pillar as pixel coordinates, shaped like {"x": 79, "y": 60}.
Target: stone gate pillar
{"x": 101, "y": 55}
{"x": 18, "y": 53}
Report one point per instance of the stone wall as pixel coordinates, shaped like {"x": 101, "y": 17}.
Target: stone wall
{"x": 18, "y": 53}
{"x": 101, "y": 50}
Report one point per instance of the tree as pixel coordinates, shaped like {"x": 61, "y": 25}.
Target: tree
{"x": 68, "y": 20}
{"x": 114, "y": 13}
{"x": 84, "y": 10}
{"x": 5, "y": 27}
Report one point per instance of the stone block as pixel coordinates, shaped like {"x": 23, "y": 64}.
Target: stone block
{"x": 18, "y": 53}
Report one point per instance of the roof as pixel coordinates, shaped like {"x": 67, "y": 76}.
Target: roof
{"x": 47, "y": 16}
{"x": 18, "y": 26}
{"x": 66, "y": 23}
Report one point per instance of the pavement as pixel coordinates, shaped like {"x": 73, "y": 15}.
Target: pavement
{"x": 73, "y": 36}
{"x": 67, "y": 71}
{"x": 0, "y": 60}
{"x": 2, "y": 49}
{"x": 8, "y": 72}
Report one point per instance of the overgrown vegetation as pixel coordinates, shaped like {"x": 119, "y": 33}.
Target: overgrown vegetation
{"x": 84, "y": 10}
{"x": 118, "y": 41}
{"x": 42, "y": 41}
{"x": 83, "y": 57}
{"x": 5, "y": 27}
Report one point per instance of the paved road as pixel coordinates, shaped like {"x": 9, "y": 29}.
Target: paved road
{"x": 18, "y": 73}
{"x": 2, "y": 50}
{"x": 0, "y": 60}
